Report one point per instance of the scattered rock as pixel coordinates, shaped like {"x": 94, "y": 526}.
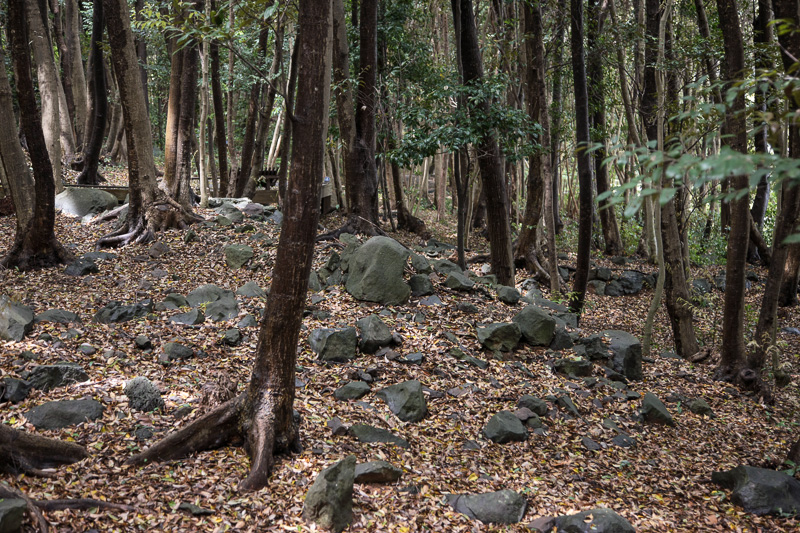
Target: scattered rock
{"x": 365, "y": 433}
{"x": 505, "y": 427}
{"x": 115, "y": 312}
{"x": 501, "y": 507}
{"x": 16, "y": 320}
{"x": 599, "y": 520}
{"x": 405, "y": 400}
{"x": 334, "y": 344}
{"x": 623, "y": 441}
{"x": 654, "y": 411}
{"x": 466, "y": 358}
{"x": 591, "y": 445}
{"x": 376, "y": 272}
{"x": 626, "y": 353}
{"x": 431, "y": 300}
{"x": 248, "y": 321}
{"x": 251, "y": 290}
{"x": 508, "y": 295}
{"x": 458, "y": 282}
{"x": 58, "y": 316}
{"x": 536, "y": 325}
{"x": 700, "y": 407}
{"x": 236, "y": 255}
{"x": 47, "y": 377}
{"x": 87, "y": 349}
{"x": 12, "y": 511}
{"x": 13, "y": 390}
{"x": 143, "y": 395}
{"x": 142, "y": 342}
{"x": 336, "y": 426}
{"x": 232, "y": 337}
{"x": 175, "y": 351}
{"x": 761, "y": 491}
{"x": 536, "y": 405}
{"x": 353, "y": 390}
{"x": 574, "y": 366}
{"x": 420, "y": 285}
{"x": 189, "y": 318}
{"x": 175, "y": 300}
{"x": 194, "y": 510}
{"x": 329, "y": 501}
{"x": 377, "y": 472}
{"x": 59, "y": 414}
{"x": 501, "y": 336}
{"x": 374, "y": 334}
{"x": 467, "y": 307}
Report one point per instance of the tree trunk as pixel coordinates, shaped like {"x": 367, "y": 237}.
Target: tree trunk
{"x": 489, "y": 159}
{"x": 75, "y": 79}
{"x": 202, "y": 156}
{"x": 149, "y": 209}
{"x": 97, "y": 92}
{"x": 556, "y": 112}
{"x": 733, "y": 364}
{"x": 288, "y": 103}
{"x": 36, "y": 247}
{"x": 584, "y": 159}
{"x": 263, "y": 415}
{"x": 343, "y": 94}
{"x": 24, "y": 453}
{"x": 219, "y": 118}
{"x": 597, "y": 107}
{"x": 248, "y": 144}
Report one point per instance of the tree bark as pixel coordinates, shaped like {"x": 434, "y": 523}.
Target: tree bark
{"x": 263, "y": 415}
{"x": 733, "y": 363}
{"x": 75, "y": 79}
{"x": 97, "y": 91}
{"x": 584, "y": 159}
{"x": 556, "y": 110}
{"x": 36, "y": 247}
{"x": 248, "y": 144}
{"x": 24, "y": 453}
{"x": 489, "y": 158}
{"x": 150, "y": 210}
{"x": 219, "y": 119}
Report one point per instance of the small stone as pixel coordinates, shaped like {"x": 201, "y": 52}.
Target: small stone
{"x": 508, "y": 295}
{"x": 351, "y": 391}
{"x": 589, "y": 444}
{"x": 377, "y": 472}
{"x": 232, "y": 337}
{"x": 143, "y": 343}
{"x": 87, "y": 349}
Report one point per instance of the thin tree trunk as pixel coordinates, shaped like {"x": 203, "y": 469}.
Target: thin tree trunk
{"x": 204, "y": 57}
{"x": 97, "y": 90}
{"x": 583, "y": 158}
{"x": 75, "y": 78}
{"x": 219, "y": 119}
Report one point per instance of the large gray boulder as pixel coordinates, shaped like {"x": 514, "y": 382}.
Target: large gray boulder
{"x": 143, "y": 395}
{"x": 501, "y": 336}
{"x": 405, "y": 400}
{"x": 536, "y": 325}
{"x": 82, "y": 201}
{"x": 329, "y": 501}
{"x": 376, "y": 272}
{"x": 55, "y": 415}
{"x": 16, "y": 320}
{"x": 505, "y": 427}
{"x": 374, "y": 334}
{"x": 501, "y": 507}
{"x": 761, "y": 491}
{"x": 626, "y": 353}
{"x": 220, "y": 304}
{"x": 599, "y": 520}
{"x": 47, "y": 377}
{"x": 334, "y": 344}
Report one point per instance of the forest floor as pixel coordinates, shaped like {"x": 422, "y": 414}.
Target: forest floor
{"x": 661, "y": 484}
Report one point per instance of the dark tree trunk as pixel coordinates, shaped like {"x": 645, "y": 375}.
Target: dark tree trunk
{"x": 597, "y": 107}
{"x": 489, "y": 158}
{"x": 180, "y": 187}
{"x": 263, "y": 415}
{"x": 149, "y": 209}
{"x": 24, "y": 453}
{"x": 248, "y": 144}
{"x": 37, "y": 247}
{"x": 291, "y": 93}
{"x": 219, "y": 118}
{"x": 343, "y": 93}
{"x": 97, "y": 92}
{"x": 141, "y": 54}
{"x": 555, "y": 130}
{"x": 583, "y": 157}
{"x": 733, "y": 364}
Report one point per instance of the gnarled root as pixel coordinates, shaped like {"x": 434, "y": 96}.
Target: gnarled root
{"x": 22, "y": 452}
{"x": 355, "y": 225}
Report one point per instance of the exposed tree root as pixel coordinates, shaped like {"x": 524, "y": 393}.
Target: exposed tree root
{"x": 109, "y": 215}
{"x": 21, "y": 452}
{"x": 9, "y": 492}
{"x": 160, "y": 216}
{"x": 355, "y": 225}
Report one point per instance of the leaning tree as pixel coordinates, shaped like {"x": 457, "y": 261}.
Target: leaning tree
{"x": 149, "y": 209}
{"x": 262, "y": 416}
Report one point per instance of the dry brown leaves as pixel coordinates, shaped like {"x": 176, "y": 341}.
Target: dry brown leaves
{"x": 662, "y": 484}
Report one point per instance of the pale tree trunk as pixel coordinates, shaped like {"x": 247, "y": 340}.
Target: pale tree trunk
{"x": 77, "y": 81}
{"x": 59, "y": 143}
{"x": 204, "y": 113}
{"x": 263, "y": 416}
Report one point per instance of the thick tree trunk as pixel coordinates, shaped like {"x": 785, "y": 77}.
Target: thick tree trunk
{"x": 179, "y": 187}
{"x": 149, "y": 209}
{"x": 263, "y": 415}
{"x": 489, "y": 158}
{"x": 97, "y": 91}
{"x": 584, "y": 159}
{"x": 733, "y": 364}
{"x": 37, "y": 246}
